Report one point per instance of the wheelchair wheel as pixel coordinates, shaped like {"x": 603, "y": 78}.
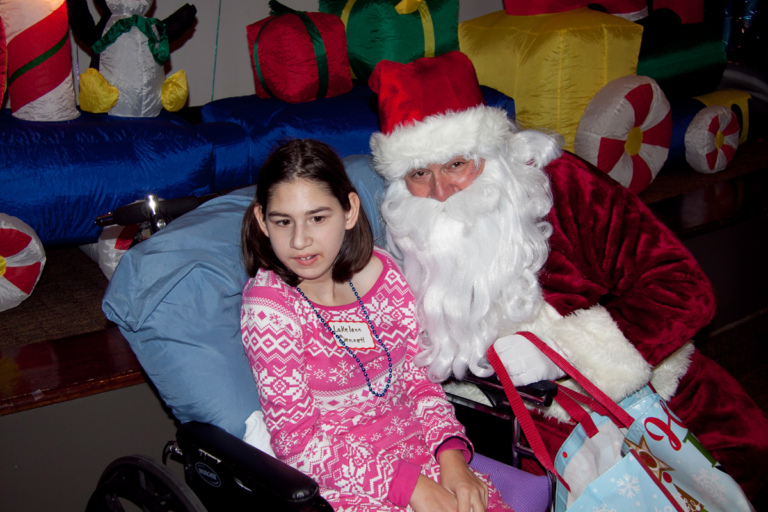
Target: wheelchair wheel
{"x": 145, "y": 483}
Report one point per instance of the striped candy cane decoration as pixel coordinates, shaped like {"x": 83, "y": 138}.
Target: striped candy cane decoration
{"x": 3, "y": 58}
{"x": 40, "y": 83}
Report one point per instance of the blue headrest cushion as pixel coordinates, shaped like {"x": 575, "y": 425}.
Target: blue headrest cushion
{"x": 176, "y": 298}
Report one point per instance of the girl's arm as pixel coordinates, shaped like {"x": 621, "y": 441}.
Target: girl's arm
{"x": 445, "y": 438}
{"x": 273, "y": 341}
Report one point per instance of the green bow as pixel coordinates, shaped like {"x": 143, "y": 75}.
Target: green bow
{"x": 159, "y": 47}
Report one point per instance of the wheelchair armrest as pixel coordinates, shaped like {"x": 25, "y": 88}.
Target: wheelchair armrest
{"x": 539, "y": 393}
{"x": 251, "y": 469}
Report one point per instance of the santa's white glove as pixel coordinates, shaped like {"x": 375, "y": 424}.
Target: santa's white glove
{"x": 524, "y": 362}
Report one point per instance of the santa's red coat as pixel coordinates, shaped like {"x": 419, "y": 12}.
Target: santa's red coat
{"x": 608, "y": 248}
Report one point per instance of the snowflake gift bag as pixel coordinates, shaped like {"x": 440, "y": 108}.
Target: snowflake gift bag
{"x": 632, "y": 456}
{"x": 656, "y": 464}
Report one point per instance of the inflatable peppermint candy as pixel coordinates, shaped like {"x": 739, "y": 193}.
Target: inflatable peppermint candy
{"x": 114, "y": 241}
{"x": 626, "y": 131}
{"x": 711, "y": 139}
{"x": 22, "y": 259}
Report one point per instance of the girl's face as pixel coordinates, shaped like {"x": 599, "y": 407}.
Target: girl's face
{"x": 306, "y": 226}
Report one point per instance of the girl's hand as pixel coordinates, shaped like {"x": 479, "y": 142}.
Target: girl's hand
{"x": 429, "y": 496}
{"x": 455, "y": 475}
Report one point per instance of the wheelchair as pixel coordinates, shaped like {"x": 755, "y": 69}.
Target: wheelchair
{"x": 223, "y": 473}
{"x": 221, "y": 470}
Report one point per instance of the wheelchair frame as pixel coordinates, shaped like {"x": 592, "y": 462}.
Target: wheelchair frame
{"x": 224, "y": 473}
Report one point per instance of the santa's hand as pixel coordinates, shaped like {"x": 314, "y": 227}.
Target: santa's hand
{"x": 524, "y": 362}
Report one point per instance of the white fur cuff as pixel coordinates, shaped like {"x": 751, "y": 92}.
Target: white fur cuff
{"x": 594, "y": 344}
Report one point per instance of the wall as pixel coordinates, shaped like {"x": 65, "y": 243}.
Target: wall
{"x": 218, "y": 41}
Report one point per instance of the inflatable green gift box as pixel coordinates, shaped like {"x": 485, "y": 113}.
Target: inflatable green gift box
{"x": 398, "y": 31}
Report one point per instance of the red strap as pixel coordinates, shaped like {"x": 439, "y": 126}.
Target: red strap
{"x": 576, "y": 412}
{"x": 623, "y": 418}
{"x": 523, "y": 416}
{"x": 586, "y": 400}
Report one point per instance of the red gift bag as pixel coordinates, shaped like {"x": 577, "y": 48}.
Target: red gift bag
{"x": 298, "y": 56}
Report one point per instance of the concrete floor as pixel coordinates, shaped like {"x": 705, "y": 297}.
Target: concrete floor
{"x": 53, "y": 456}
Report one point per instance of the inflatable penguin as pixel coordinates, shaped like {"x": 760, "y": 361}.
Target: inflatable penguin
{"x": 130, "y": 51}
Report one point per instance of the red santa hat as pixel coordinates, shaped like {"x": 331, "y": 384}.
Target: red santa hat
{"x": 432, "y": 110}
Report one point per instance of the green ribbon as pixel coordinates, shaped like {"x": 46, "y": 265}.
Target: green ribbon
{"x": 159, "y": 47}
{"x": 38, "y": 60}
{"x": 321, "y": 58}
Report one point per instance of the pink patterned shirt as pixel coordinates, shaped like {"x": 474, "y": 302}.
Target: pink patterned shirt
{"x": 323, "y": 420}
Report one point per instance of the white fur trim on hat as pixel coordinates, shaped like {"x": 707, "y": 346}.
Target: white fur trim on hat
{"x": 439, "y": 138}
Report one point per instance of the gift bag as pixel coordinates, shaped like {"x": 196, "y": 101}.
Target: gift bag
{"x": 298, "y": 56}
{"x": 635, "y": 455}
{"x": 397, "y": 31}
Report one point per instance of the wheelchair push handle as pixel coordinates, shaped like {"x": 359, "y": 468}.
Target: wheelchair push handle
{"x": 150, "y": 209}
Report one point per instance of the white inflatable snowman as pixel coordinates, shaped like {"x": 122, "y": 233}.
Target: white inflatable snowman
{"x": 132, "y": 52}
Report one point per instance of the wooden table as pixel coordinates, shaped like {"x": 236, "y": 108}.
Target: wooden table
{"x": 49, "y": 372}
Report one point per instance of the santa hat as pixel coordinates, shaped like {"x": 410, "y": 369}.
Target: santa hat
{"x": 432, "y": 110}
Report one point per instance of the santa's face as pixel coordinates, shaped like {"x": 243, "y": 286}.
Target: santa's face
{"x": 441, "y": 180}
{"x": 472, "y": 258}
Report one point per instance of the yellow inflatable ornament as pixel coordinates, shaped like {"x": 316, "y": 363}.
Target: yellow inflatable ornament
{"x": 551, "y": 64}
{"x": 96, "y": 94}
{"x": 175, "y": 91}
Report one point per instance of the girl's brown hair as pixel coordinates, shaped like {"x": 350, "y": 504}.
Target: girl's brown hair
{"x": 310, "y": 160}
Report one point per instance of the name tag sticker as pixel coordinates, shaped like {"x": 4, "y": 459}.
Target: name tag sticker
{"x": 357, "y": 335}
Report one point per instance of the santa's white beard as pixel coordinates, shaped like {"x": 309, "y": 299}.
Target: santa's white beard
{"x": 472, "y": 262}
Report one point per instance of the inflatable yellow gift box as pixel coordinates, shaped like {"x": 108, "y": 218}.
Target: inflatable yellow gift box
{"x": 551, "y": 64}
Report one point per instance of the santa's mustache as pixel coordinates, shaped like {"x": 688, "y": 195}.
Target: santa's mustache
{"x": 421, "y": 217}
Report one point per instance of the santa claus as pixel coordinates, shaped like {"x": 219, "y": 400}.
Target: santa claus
{"x": 499, "y": 231}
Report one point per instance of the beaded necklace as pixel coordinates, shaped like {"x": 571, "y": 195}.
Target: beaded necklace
{"x": 349, "y": 351}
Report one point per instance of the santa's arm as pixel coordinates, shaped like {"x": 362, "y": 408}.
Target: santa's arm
{"x": 616, "y": 274}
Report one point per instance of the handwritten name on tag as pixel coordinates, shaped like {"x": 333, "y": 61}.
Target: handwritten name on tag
{"x": 357, "y": 335}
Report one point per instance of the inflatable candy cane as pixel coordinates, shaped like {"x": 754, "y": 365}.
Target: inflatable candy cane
{"x": 22, "y": 259}
{"x": 3, "y": 59}
{"x": 39, "y": 77}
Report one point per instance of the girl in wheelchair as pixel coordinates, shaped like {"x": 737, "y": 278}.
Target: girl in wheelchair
{"x": 329, "y": 327}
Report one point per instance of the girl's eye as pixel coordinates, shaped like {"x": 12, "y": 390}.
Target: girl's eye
{"x": 318, "y": 218}
{"x": 282, "y": 222}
